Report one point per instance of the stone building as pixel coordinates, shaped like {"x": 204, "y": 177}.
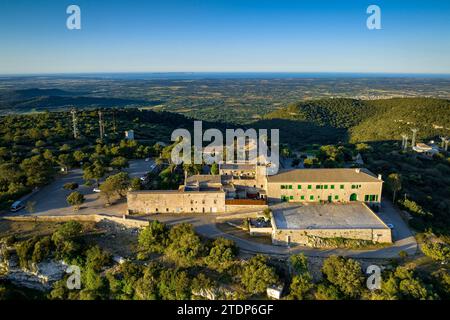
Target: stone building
{"x": 176, "y": 201}
{"x": 325, "y": 185}
{"x": 208, "y": 193}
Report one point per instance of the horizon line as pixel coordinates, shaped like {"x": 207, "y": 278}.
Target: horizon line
{"x": 34, "y": 74}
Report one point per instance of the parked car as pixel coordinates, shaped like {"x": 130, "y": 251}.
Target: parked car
{"x": 17, "y": 206}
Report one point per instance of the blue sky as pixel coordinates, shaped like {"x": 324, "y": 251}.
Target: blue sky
{"x": 224, "y": 36}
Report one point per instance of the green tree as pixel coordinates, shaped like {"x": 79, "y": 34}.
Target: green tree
{"x": 75, "y": 199}
{"x": 115, "y": 185}
{"x": 221, "y": 255}
{"x": 153, "y": 238}
{"x": 135, "y": 184}
{"x": 97, "y": 259}
{"x": 185, "y": 245}
{"x": 300, "y": 287}
{"x": 94, "y": 172}
{"x": 147, "y": 287}
{"x": 119, "y": 163}
{"x": 394, "y": 183}
{"x": 299, "y": 263}
{"x": 256, "y": 275}
{"x": 436, "y": 250}
{"x": 174, "y": 285}
{"x": 345, "y": 274}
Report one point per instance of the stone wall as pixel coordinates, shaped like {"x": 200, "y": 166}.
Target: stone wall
{"x": 129, "y": 223}
{"x": 302, "y": 236}
{"x": 148, "y": 202}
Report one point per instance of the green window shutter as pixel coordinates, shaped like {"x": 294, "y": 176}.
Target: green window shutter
{"x": 299, "y": 187}
{"x": 302, "y": 198}
{"x": 366, "y": 198}
{"x": 326, "y": 186}
{"x": 290, "y": 187}
{"x": 291, "y": 198}
{"x": 318, "y": 186}
{"x": 336, "y": 197}
{"x": 342, "y": 186}
{"x": 309, "y": 186}
{"x": 332, "y": 186}
{"x": 311, "y": 197}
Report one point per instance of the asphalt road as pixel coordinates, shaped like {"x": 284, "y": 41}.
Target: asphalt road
{"x": 403, "y": 237}
{"x": 51, "y": 199}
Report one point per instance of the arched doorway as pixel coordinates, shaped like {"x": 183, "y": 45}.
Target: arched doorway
{"x": 354, "y": 197}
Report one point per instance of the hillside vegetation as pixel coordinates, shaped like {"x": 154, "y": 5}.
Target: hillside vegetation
{"x": 375, "y": 120}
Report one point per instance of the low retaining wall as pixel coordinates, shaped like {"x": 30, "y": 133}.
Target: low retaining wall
{"x": 260, "y": 231}
{"x": 240, "y": 208}
{"x": 303, "y": 236}
{"x": 130, "y": 223}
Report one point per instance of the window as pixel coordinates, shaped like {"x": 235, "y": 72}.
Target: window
{"x": 318, "y": 186}
{"x": 283, "y": 186}
{"x": 353, "y": 186}
{"x": 311, "y": 197}
{"x": 366, "y": 198}
{"x": 325, "y": 186}
{"x": 302, "y": 198}
{"x": 309, "y": 186}
{"x": 290, "y": 187}
{"x": 332, "y": 186}
{"x": 299, "y": 187}
{"x": 291, "y": 198}
{"x": 342, "y": 186}
{"x": 336, "y": 197}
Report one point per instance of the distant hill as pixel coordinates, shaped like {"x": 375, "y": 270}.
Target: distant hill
{"x": 36, "y": 92}
{"x": 375, "y": 119}
{"x": 20, "y": 101}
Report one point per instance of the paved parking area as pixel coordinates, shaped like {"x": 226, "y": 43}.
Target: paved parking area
{"x": 51, "y": 199}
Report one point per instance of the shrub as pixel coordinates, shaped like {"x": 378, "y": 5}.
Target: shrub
{"x": 256, "y": 275}
{"x": 71, "y": 186}
{"x": 345, "y": 274}
{"x": 436, "y": 250}
{"x": 75, "y": 199}
{"x": 221, "y": 255}
{"x": 153, "y": 238}
{"x": 185, "y": 245}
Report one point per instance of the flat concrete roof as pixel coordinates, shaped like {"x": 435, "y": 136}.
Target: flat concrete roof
{"x": 325, "y": 216}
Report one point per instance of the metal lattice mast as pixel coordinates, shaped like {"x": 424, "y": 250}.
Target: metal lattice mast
{"x": 413, "y": 140}
{"x": 101, "y": 124}
{"x": 74, "y": 123}
{"x": 404, "y": 142}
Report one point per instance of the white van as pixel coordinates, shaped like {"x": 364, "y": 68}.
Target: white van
{"x": 17, "y": 206}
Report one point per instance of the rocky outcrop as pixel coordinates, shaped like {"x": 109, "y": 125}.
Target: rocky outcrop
{"x": 39, "y": 276}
